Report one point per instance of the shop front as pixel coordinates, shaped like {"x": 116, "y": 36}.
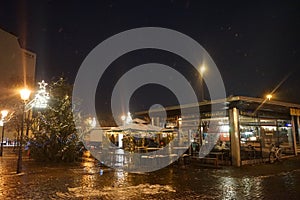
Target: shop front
{"x": 244, "y": 127}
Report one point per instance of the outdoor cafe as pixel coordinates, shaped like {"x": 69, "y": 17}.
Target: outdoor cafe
{"x": 242, "y": 130}
{"x": 136, "y": 142}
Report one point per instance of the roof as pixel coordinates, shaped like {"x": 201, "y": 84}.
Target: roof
{"x": 226, "y": 101}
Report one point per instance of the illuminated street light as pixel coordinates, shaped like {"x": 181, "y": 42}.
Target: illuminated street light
{"x": 123, "y": 117}
{"x": 4, "y": 113}
{"x": 3, "y": 116}
{"x": 25, "y": 94}
{"x": 269, "y": 96}
{"x": 202, "y": 70}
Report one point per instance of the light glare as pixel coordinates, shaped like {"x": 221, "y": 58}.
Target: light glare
{"x": 25, "y": 94}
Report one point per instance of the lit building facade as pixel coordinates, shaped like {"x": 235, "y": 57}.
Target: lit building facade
{"x": 17, "y": 69}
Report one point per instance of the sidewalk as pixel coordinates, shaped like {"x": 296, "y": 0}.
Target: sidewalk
{"x": 8, "y": 164}
{"x": 87, "y": 180}
{"x": 285, "y": 165}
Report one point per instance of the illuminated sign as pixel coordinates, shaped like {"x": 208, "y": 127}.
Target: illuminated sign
{"x": 40, "y": 99}
{"x": 42, "y": 96}
{"x": 294, "y": 112}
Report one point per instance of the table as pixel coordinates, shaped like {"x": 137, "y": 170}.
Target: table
{"x": 156, "y": 159}
{"x": 180, "y": 150}
{"x": 217, "y": 155}
{"x": 177, "y": 148}
{"x": 141, "y": 149}
{"x": 248, "y": 154}
{"x": 149, "y": 149}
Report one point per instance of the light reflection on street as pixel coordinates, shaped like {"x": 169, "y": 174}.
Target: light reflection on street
{"x": 120, "y": 177}
{"x": 90, "y": 179}
{"x": 228, "y": 185}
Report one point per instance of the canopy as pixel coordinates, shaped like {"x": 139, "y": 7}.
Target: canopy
{"x": 139, "y": 121}
{"x": 137, "y": 125}
{"x": 140, "y": 127}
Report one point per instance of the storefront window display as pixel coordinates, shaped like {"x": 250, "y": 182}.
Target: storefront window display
{"x": 257, "y": 135}
{"x": 216, "y": 130}
{"x": 250, "y": 138}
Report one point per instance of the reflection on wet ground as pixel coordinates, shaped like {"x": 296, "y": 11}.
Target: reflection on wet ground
{"x": 90, "y": 180}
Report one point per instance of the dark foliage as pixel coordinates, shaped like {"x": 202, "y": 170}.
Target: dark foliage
{"x": 54, "y": 133}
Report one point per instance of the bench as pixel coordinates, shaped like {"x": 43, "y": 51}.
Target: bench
{"x": 183, "y": 159}
{"x": 186, "y": 158}
{"x": 215, "y": 160}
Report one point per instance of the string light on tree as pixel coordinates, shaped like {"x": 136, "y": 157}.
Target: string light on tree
{"x": 42, "y": 96}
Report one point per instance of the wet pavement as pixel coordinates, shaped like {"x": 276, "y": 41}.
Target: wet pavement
{"x": 89, "y": 180}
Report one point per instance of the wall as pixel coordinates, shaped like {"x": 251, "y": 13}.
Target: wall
{"x": 17, "y": 66}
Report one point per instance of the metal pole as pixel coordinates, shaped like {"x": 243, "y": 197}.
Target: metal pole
{"x": 202, "y": 88}
{"x": 19, "y": 164}
{"x": 294, "y": 135}
{"x": 235, "y": 137}
{"x": 1, "y": 153}
{"x": 200, "y": 132}
{"x": 298, "y": 125}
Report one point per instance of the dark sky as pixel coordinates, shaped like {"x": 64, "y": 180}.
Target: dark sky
{"x": 255, "y": 44}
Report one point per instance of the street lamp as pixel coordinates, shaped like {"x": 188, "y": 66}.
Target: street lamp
{"x": 3, "y": 115}
{"x": 25, "y": 94}
{"x": 202, "y": 70}
{"x": 123, "y": 117}
{"x": 268, "y": 97}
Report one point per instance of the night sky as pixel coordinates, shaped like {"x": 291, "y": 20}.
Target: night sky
{"x": 255, "y": 45}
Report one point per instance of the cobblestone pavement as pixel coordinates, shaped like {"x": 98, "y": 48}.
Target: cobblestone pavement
{"x": 88, "y": 180}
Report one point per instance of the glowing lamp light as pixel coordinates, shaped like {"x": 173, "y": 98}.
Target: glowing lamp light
{"x": 123, "y": 117}
{"x": 25, "y": 94}
{"x": 4, "y": 113}
{"x": 202, "y": 69}
{"x": 269, "y": 96}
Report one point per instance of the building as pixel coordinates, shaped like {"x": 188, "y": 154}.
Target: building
{"x": 17, "y": 68}
{"x": 247, "y": 126}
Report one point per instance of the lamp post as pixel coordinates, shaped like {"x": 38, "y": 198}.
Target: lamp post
{"x": 25, "y": 94}
{"x": 202, "y": 70}
{"x": 268, "y": 97}
{"x": 123, "y": 118}
{"x": 3, "y": 115}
